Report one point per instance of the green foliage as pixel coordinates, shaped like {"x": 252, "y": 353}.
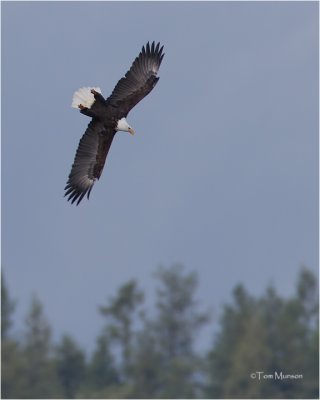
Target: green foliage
{"x": 269, "y": 334}
{"x": 120, "y": 313}
{"x": 143, "y": 356}
{"x": 7, "y": 308}
{"x": 39, "y": 371}
{"x": 38, "y": 331}
{"x": 102, "y": 371}
{"x": 13, "y": 380}
{"x": 175, "y": 328}
{"x": 70, "y": 366}
{"x": 149, "y": 364}
{"x": 178, "y": 321}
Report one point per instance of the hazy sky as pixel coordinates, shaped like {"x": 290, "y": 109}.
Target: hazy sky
{"x": 221, "y": 176}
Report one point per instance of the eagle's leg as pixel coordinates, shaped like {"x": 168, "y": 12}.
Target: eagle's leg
{"x": 98, "y": 96}
{"x": 86, "y": 111}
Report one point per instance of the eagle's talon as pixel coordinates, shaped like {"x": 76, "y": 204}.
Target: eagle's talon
{"x": 81, "y": 107}
{"x": 94, "y": 92}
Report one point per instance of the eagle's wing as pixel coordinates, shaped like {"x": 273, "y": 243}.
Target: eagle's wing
{"x": 138, "y": 81}
{"x": 89, "y": 161}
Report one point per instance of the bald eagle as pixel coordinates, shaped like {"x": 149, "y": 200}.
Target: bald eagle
{"x": 109, "y": 117}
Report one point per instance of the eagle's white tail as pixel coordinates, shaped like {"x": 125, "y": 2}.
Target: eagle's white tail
{"x": 84, "y": 96}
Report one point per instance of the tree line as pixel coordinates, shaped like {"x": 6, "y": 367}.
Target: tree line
{"x": 141, "y": 356}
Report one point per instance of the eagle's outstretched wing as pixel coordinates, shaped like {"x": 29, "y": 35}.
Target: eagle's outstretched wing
{"x": 89, "y": 161}
{"x": 138, "y": 81}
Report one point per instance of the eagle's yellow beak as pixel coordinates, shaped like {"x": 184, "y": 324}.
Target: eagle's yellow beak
{"x": 131, "y": 131}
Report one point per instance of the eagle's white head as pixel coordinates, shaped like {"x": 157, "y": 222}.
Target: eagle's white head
{"x": 124, "y": 126}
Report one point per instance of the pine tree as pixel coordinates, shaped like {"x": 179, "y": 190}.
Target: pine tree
{"x": 268, "y": 334}
{"x": 7, "y": 309}
{"x": 39, "y": 372}
{"x": 177, "y": 323}
{"x": 70, "y": 366}
{"x": 120, "y": 313}
{"x": 12, "y": 366}
{"x": 102, "y": 371}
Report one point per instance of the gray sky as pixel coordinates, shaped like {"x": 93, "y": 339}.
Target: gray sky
{"x": 221, "y": 176}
